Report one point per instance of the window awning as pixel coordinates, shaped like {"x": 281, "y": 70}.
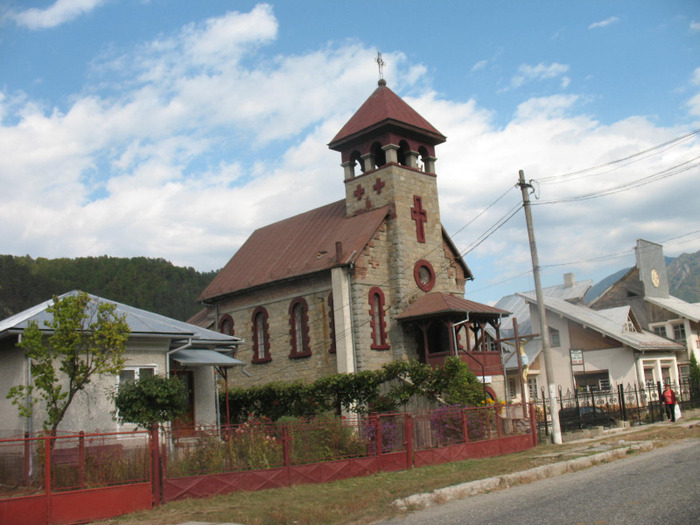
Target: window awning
{"x": 191, "y": 357}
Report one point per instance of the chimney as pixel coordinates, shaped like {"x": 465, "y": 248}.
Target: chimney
{"x": 569, "y": 280}
{"x": 339, "y": 252}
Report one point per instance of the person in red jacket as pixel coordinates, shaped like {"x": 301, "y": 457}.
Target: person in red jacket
{"x": 669, "y": 399}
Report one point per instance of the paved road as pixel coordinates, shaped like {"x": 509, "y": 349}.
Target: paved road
{"x": 658, "y": 487}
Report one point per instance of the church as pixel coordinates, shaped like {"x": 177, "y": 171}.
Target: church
{"x": 361, "y": 282}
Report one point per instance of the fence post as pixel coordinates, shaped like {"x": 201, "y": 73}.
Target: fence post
{"x": 533, "y": 423}
{"x": 47, "y": 476}
{"x": 156, "y": 471}
{"x": 623, "y": 405}
{"x": 497, "y": 414}
{"x": 465, "y": 427}
{"x": 408, "y": 431}
{"x": 286, "y": 453}
{"x": 27, "y": 458}
{"x": 661, "y": 402}
{"x": 81, "y": 459}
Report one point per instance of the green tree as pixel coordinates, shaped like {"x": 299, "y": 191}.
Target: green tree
{"x": 83, "y": 338}
{"x": 149, "y": 400}
{"x": 694, "y": 378}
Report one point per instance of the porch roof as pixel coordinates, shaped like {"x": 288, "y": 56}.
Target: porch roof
{"x": 191, "y": 357}
{"x": 437, "y": 304}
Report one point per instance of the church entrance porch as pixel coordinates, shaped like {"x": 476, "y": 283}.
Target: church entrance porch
{"x": 446, "y": 325}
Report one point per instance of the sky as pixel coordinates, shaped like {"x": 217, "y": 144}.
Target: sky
{"x": 173, "y": 129}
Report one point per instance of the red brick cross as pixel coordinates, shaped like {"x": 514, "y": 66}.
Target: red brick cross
{"x": 379, "y": 185}
{"x": 359, "y": 192}
{"x": 419, "y": 215}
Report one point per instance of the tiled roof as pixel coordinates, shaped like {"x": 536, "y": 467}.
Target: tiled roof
{"x": 297, "y": 246}
{"x": 385, "y": 107}
{"x": 439, "y": 303}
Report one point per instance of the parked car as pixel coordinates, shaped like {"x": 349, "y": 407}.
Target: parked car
{"x": 572, "y": 418}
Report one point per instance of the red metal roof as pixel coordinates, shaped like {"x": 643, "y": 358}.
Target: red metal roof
{"x": 385, "y": 107}
{"x": 440, "y": 303}
{"x": 297, "y": 246}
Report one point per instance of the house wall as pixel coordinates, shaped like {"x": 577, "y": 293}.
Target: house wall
{"x": 93, "y": 408}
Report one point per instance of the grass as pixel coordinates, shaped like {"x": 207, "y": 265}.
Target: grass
{"x": 369, "y": 499}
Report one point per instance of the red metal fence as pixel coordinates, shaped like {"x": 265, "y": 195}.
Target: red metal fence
{"x": 102, "y": 475}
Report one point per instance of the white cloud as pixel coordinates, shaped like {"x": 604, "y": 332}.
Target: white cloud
{"x": 604, "y": 23}
{"x": 694, "y": 26}
{"x": 191, "y": 155}
{"x": 542, "y": 71}
{"x": 60, "y": 12}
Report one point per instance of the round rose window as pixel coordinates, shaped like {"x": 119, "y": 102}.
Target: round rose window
{"x": 424, "y": 275}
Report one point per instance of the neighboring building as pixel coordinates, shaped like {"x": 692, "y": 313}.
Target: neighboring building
{"x": 156, "y": 345}
{"x": 597, "y": 350}
{"x": 530, "y": 366}
{"x": 360, "y": 282}
{"x": 645, "y": 288}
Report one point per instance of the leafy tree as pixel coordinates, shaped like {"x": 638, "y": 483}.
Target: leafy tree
{"x": 694, "y": 378}
{"x": 84, "y": 338}
{"x": 149, "y": 400}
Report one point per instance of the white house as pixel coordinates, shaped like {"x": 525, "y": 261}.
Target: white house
{"x": 156, "y": 345}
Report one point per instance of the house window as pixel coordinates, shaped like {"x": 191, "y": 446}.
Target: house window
{"x": 554, "y": 339}
{"x": 532, "y": 387}
{"x": 226, "y": 325}
{"x": 598, "y": 381}
{"x": 511, "y": 387}
{"x": 331, "y": 316}
{"x": 377, "y": 320}
{"x": 660, "y": 330}
{"x": 261, "y": 336}
{"x": 679, "y": 331}
{"x": 130, "y": 374}
{"x": 299, "y": 328}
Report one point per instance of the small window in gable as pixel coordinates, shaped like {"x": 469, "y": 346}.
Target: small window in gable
{"x": 226, "y": 325}
{"x": 261, "y": 336}
{"x": 377, "y": 319}
{"x": 299, "y": 328}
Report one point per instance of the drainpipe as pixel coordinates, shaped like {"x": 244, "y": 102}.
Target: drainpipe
{"x": 168, "y": 354}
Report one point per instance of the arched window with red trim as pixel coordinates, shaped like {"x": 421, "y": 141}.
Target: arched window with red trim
{"x": 226, "y": 325}
{"x": 377, "y": 319}
{"x": 299, "y": 328}
{"x": 261, "y": 336}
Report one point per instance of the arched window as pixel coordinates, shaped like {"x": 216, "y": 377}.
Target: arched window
{"x": 261, "y": 336}
{"x": 377, "y": 320}
{"x": 356, "y": 158}
{"x": 378, "y": 154}
{"x": 331, "y": 316}
{"x": 402, "y": 154}
{"x": 226, "y": 325}
{"x": 423, "y": 153}
{"x": 299, "y": 328}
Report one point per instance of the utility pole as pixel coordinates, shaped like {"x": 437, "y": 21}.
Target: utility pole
{"x": 544, "y": 330}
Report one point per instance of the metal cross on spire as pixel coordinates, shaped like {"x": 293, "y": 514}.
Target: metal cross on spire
{"x": 380, "y": 64}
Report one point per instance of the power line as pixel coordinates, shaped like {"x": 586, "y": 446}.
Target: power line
{"x": 669, "y": 172}
{"x": 616, "y": 164}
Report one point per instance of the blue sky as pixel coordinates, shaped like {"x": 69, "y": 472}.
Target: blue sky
{"x": 173, "y": 129}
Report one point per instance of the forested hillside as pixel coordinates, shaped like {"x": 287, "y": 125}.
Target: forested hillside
{"x": 155, "y": 285}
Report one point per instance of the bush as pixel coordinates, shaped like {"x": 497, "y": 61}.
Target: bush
{"x": 154, "y": 399}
